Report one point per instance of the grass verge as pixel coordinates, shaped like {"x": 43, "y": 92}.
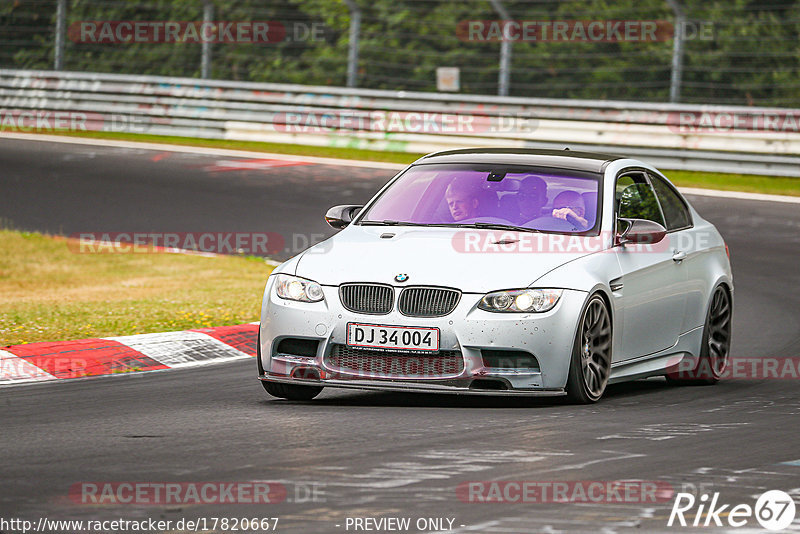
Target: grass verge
{"x": 50, "y": 293}
{"x": 707, "y": 180}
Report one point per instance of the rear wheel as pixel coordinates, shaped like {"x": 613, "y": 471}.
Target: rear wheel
{"x": 590, "y": 365}
{"x": 715, "y": 347}
{"x": 290, "y": 391}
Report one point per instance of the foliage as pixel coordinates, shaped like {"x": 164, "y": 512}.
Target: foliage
{"x": 751, "y": 56}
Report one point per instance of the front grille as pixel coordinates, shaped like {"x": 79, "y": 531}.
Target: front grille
{"x": 375, "y": 363}
{"x": 428, "y": 301}
{"x": 367, "y": 298}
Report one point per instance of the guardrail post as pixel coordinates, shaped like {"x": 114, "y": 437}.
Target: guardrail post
{"x": 677, "y": 51}
{"x": 205, "y": 60}
{"x": 61, "y": 29}
{"x": 505, "y": 51}
{"x": 355, "y": 35}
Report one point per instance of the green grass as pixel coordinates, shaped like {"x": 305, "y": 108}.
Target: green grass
{"x": 773, "y": 185}
{"x": 48, "y": 292}
{"x": 256, "y": 146}
{"x": 706, "y": 180}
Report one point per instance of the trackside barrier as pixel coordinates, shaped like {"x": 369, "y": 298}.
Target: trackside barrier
{"x": 733, "y": 139}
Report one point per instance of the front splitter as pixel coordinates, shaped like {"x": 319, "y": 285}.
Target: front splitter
{"x": 411, "y": 387}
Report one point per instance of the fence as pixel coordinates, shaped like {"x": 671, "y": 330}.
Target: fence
{"x": 714, "y": 51}
{"x": 706, "y": 138}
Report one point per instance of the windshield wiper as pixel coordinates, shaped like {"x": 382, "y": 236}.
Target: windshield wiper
{"x": 497, "y": 226}
{"x": 389, "y": 222}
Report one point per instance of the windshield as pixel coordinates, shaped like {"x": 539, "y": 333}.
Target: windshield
{"x": 529, "y": 198}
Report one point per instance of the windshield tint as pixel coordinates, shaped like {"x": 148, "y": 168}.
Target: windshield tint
{"x": 548, "y": 200}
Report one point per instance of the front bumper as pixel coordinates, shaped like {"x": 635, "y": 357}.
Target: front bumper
{"x": 467, "y": 330}
{"x": 413, "y": 387}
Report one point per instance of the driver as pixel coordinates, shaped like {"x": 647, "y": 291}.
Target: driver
{"x": 462, "y": 199}
{"x": 532, "y": 197}
{"x": 569, "y": 206}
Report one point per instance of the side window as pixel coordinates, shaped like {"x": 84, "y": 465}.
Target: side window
{"x": 635, "y": 198}
{"x": 675, "y": 210}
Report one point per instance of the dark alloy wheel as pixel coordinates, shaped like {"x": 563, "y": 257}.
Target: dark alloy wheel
{"x": 715, "y": 347}
{"x": 591, "y": 356}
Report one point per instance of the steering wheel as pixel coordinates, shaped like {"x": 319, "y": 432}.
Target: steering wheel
{"x": 548, "y": 223}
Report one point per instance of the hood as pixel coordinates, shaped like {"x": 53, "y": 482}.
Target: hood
{"x": 474, "y": 261}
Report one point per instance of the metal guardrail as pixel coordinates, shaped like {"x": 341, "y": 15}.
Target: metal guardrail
{"x": 399, "y": 121}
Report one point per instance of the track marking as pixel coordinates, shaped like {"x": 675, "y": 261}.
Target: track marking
{"x": 251, "y": 165}
{"x": 202, "y": 150}
{"x": 738, "y": 195}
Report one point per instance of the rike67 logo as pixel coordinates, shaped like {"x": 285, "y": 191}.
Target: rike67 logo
{"x": 774, "y": 510}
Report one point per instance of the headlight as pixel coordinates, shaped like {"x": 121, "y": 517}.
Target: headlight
{"x": 521, "y": 300}
{"x": 293, "y": 288}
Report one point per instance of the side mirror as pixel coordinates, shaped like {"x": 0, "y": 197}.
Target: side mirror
{"x": 340, "y": 216}
{"x": 639, "y": 231}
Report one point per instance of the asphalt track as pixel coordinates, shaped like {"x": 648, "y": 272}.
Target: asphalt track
{"x": 376, "y": 454}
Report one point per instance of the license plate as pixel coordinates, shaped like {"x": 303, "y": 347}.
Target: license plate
{"x": 406, "y": 338}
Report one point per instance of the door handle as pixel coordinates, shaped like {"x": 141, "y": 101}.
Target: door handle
{"x": 678, "y": 256}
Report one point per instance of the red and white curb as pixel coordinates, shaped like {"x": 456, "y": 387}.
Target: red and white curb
{"x": 38, "y": 362}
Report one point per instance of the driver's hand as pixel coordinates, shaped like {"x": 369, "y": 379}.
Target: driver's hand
{"x": 562, "y": 213}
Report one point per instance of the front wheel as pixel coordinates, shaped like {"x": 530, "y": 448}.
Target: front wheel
{"x": 291, "y": 392}
{"x": 590, "y": 364}
{"x": 284, "y": 391}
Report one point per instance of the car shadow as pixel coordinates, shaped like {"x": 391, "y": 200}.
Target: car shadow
{"x": 627, "y": 390}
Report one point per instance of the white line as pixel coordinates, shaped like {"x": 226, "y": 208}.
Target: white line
{"x": 740, "y": 195}
{"x": 201, "y": 150}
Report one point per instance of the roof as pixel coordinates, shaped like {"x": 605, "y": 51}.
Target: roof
{"x": 565, "y": 159}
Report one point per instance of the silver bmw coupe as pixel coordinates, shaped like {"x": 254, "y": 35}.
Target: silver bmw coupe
{"x": 503, "y": 272}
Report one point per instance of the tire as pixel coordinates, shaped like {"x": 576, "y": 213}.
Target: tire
{"x": 715, "y": 346}
{"x": 590, "y": 363}
{"x": 291, "y": 392}
{"x": 284, "y": 391}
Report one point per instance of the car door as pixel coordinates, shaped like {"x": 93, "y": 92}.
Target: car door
{"x": 651, "y": 291}
{"x": 687, "y": 242}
